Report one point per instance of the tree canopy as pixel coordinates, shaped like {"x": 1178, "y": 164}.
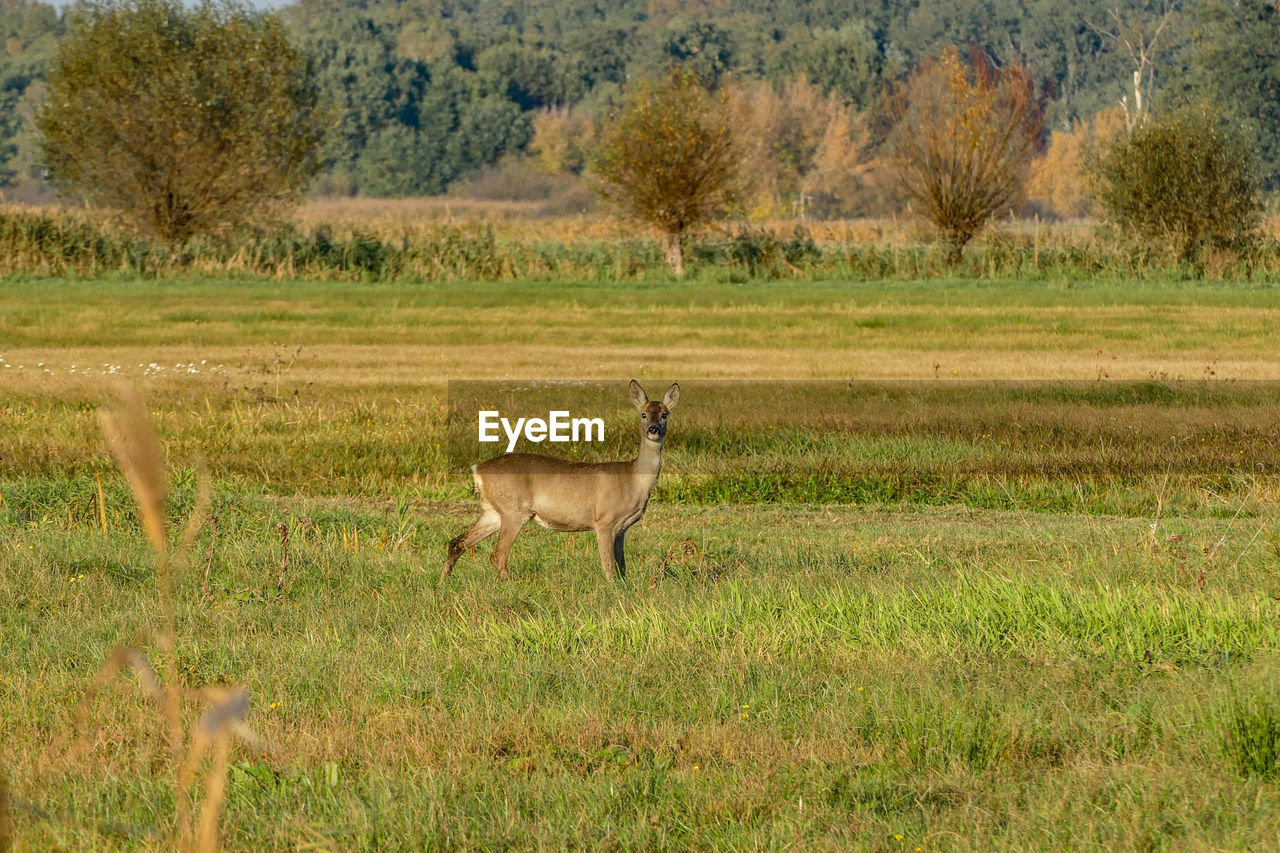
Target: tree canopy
{"x": 963, "y": 137}
{"x": 407, "y": 78}
{"x": 183, "y": 120}
{"x": 1235, "y": 63}
{"x": 669, "y": 158}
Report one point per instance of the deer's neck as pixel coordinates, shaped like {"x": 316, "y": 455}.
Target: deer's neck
{"x": 648, "y": 464}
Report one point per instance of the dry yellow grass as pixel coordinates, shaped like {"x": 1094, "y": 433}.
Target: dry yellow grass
{"x": 514, "y": 220}
{"x": 210, "y": 334}
{"x": 432, "y": 367}
{"x": 521, "y": 220}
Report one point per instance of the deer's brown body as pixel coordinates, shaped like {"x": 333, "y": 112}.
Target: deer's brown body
{"x": 607, "y": 497}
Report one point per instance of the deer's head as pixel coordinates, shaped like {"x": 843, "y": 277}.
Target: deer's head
{"x": 653, "y": 414}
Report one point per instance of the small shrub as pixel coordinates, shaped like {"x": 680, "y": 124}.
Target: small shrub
{"x": 754, "y": 249}
{"x": 1187, "y": 180}
{"x": 801, "y": 248}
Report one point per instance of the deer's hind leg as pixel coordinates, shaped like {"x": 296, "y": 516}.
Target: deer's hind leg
{"x": 486, "y": 525}
{"x": 511, "y": 527}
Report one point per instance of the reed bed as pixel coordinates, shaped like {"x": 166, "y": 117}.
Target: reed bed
{"x": 370, "y": 243}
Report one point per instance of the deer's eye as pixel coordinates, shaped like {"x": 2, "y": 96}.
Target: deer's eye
{"x": 643, "y": 416}
{"x": 664, "y": 416}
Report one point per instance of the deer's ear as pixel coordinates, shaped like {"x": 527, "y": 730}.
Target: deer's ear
{"x": 671, "y": 397}
{"x": 637, "y": 395}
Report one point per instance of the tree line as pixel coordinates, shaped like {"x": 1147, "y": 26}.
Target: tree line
{"x": 204, "y": 122}
{"x": 426, "y": 92}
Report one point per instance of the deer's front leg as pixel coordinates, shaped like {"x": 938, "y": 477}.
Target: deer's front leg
{"x": 607, "y": 537}
{"x": 619, "y": 557}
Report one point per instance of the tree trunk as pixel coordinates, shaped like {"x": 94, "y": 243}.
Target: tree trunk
{"x": 673, "y": 252}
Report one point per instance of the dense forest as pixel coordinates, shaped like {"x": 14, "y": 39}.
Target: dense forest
{"x": 428, "y": 92}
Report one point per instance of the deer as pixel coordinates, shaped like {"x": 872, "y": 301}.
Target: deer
{"x": 567, "y": 496}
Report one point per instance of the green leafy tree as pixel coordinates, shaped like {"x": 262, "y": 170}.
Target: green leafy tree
{"x": 453, "y": 135}
{"x": 669, "y": 158}
{"x": 184, "y": 120}
{"x": 29, "y": 33}
{"x": 600, "y": 51}
{"x": 1236, "y": 64}
{"x": 530, "y": 78}
{"x": 486, "y": 128}
{"x": 369, "y": 86}
{"x": 701, "y": 48}
{"x": 1187, "y": 179}
{"x": 847, "y": 61}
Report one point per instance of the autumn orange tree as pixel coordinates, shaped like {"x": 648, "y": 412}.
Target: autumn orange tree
{"x": 668, "y": 158}
{"x": 1057, "y": 181}
{"x": 962, "y": 140}
{"x": 562, "y": 138}
{"x": 797, "y": 144}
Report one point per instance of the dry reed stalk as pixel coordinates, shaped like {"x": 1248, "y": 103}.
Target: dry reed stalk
{"x": 199, "y": 514}
{"x": 283, "y": 530}
{"x": 134, "y": 444}
{"x": 136, "y": 449}
{"x": 213, "y": 733}
{"x": 1211, "y": 551}
{"x": 215, "y": 794}
{"x": 1154, "y": 527}
{"x": 121, "y": 658}
{"x": 1265, "y": 524}
{"x": 208, "y": 557}
{"x": 688, "y": 549}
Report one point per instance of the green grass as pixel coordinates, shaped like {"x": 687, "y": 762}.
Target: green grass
{"x": 913, "y": 615}
{"x": 795, "y": 329}
{"x": 1101, "y": 448}
{"x": 963, "y": 679}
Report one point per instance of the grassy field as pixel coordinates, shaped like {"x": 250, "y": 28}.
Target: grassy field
{"x": 922, "y": 615}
